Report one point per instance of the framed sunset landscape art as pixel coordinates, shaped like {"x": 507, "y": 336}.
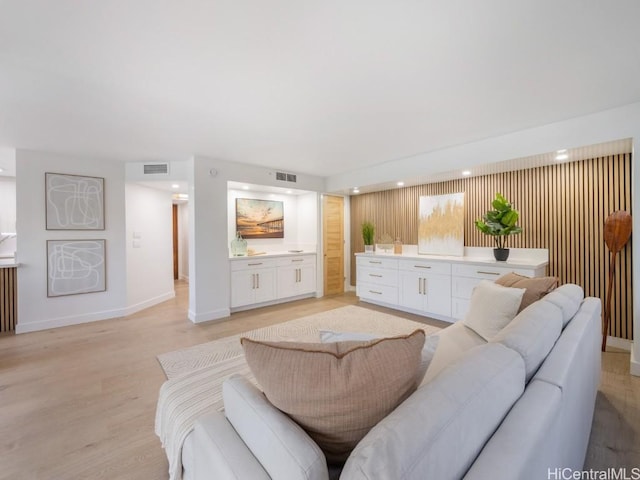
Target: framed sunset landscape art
{"x": 259, "y": 218}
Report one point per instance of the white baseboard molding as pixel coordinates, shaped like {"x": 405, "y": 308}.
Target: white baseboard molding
{"x": 634, "y": 364}
{"x": 131, "y": 309}
{"x": 274, "y": 302}
{"x": 183, "y": 277}
{"x": 621, "y": 343}
{"x": 67, "y": 321}
{"x": 221, "y": 313}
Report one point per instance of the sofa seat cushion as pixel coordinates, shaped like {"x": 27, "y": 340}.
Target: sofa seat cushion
{"x": 439, "y": 430}
{"x": 492, "y": 307}
{"x": 337, "y": 391}
{"x": 535, "y": 288}
{"x": 453, "y": 342}
{"x": 533, "y": 334}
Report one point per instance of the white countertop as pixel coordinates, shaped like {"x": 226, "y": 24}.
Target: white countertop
{"x": 285, "y": 253}
{"x": 518, "y": 257}
{"x": 8, "y": 262}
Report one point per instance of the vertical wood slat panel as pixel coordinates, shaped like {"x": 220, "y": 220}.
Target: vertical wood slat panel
{"x": 8, "y": 295}
{"x": 562, "y": 207}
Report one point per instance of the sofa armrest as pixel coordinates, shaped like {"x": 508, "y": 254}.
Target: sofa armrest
{"x": 221, "y": 454}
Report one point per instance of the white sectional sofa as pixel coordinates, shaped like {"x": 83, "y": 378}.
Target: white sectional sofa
{"x": 518, "y": 406}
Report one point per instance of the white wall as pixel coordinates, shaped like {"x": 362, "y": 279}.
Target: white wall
{"x": 35, "y": 310}
{"x": 209, "y": 292}
{"x": 149, "y": 230}
{"x": 7, "y": 204}
{"x": 183, "y": 241}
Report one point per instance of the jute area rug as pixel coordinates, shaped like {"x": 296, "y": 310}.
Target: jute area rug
{"x": 345, "y": 319}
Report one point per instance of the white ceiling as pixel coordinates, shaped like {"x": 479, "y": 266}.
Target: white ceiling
{"x": 312, "y": 87}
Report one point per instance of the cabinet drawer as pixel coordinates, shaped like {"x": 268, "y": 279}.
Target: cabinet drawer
{"x": 373, "y": 261}
{"x": 489, "y": 272}
{"x": 297, "y": 260}
{"x": 380, "y": 293}
{"x": 238, "y": 265}
{"x": 377, "y": 276}
{"x": 422, "y": 266}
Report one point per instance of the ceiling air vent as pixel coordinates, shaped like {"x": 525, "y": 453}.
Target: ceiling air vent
{"x": 156, "y": 168}
{"x": 286, "y": 177}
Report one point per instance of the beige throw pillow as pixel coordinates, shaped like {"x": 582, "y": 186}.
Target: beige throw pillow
{"x": 536, "y": 287}
{"x": 491, "y": 308}
{"x": 337, "y": 391}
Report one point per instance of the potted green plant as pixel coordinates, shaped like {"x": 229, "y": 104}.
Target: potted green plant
{"x": 500, "y": 223}
{"x": 367, "y": 236}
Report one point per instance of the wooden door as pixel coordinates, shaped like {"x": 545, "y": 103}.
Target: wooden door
{"x": 333, "y": 244}
{"x": 175, "y": 241}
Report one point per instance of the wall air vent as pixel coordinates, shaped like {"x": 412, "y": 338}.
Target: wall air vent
{"x": 286, "y": 177}
{"x": 156, "y": 168}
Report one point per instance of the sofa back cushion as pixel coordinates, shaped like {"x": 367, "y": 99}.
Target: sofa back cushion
{"x": 337, "y": 391}
{"x": 533, "y": 333}
{"x": 280, "y": 445}
{"x": 491, "y": 307}
{"x": 568, "y": 298}
{"x": 440, "y": 429}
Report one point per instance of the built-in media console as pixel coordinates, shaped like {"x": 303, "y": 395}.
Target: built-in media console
{"x": 437, "y": 286}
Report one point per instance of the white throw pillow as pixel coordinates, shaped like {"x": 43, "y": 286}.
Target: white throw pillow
{"x": 428, "y": 351}
{"x": 492, "y": 307}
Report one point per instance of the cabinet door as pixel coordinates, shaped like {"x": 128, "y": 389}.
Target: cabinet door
{"x": 306, "y": 279}
{"x": 242, "y": 288}
{"x": 437, "y": 289}
{"x": 265, "y": 285}
{"x": 287, "y": 281}
{"x": 411, "y": 290}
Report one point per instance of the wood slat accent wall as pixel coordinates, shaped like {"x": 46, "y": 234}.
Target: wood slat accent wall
{"x": 562, "y": 207}
{"x": 8, "y": 299}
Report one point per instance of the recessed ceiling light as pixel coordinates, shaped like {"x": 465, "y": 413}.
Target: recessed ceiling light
{"x": 1, "y": 170}
{"x": 564, "y": 150}
{"x": 245, "y": 187}
{"x": 400, "y": 184}
{"x": 466, "y": 172}
{"x": 289, "y": 192}
{"x": 175, "y": 185}
{"x": 356, "y": 190}
{"x": 562, "y": 156}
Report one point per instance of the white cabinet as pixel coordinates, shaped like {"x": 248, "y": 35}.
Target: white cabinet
{"x": 377, "y": 279}
{"x": 296, "y": 276}
{"x": 425, "y": 286}
{"x": 433, "y": 286}
{"x": 252, "y": 281}
{"x": 263, "y": 280}
{"x": 466, "y": 277}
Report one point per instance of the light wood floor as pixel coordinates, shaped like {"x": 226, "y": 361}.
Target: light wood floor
{"x": 79, "y": 402}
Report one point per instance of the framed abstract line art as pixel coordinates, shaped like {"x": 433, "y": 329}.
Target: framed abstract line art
{"x": 259, "y": 218}
{"x": 441, "y": 225}
{"x": 75, "y": 266}
{"x": 74, "y": 202}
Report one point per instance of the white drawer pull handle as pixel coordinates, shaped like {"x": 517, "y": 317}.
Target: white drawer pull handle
{"x": 374, "y": 275}
{"x": 377, "y": 293}
{"x": 254, "y": 264}
{"x": 298, "y": 260}
{"x": 488, "y": 273}
{"x": 421, "y": 266}
{"x": 371, "y": 261}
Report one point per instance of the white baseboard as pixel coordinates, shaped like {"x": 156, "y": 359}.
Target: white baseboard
{"x": 131, "y": 309}
{"x": 219, "y": 314}
{"x": 67, "y": 321}
{"x": 634, "y": 368}
{"x": 621, "y": 343}
{"x": 183, "y": 277}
